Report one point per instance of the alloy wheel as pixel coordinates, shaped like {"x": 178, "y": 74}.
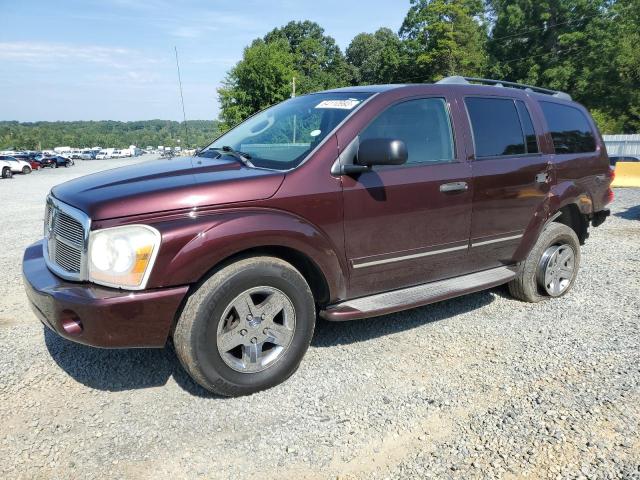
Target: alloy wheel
{"x": 256, "y": 329}
{"x": 556, "y": 269}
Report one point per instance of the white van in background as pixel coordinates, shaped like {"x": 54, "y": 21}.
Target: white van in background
{"x": 105, "y": 153}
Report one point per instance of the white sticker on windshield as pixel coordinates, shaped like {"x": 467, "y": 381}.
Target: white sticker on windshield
{"x": 315, "y": 133}
{"x": 347, "y": 104}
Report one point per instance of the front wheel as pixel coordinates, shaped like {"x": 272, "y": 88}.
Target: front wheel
{"x": 6, "y": 172}
{"x": 247, "y": 327}
{"x": 26, "y": 170}
{"x": 551, "y": 267}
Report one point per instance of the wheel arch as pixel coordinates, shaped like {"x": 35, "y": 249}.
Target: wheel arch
{"x": 192, "y": 252}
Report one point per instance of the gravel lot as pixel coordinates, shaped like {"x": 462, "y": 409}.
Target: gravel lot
{"x": 475, "y": 387}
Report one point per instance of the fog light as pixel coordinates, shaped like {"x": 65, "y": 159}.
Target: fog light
{"x": 71, "y": 324}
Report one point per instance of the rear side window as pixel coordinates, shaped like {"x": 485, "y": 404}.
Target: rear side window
{"x": 496, "y": 127}
{"x": 422, "y": 124}
{"x": 569, "y": 128}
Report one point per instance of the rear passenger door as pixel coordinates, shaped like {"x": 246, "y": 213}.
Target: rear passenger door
{"x": 510, "y": 177}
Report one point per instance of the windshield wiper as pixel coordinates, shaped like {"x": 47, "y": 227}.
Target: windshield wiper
{"x": 242, "y": 157}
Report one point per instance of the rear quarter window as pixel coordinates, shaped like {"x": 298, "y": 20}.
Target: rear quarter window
{"x": 569, "y": 128}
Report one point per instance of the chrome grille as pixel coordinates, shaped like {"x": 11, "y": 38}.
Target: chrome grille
{"x": 66, "y": 233}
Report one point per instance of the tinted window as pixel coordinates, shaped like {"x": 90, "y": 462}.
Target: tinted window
{"x": 423, "y": 125}
{"x": 569, "y": 128}
{"x": 496, "y": 127}
{"x": 527, "y": 127}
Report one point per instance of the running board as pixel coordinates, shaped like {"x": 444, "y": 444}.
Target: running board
{"x": 398, "y": 300}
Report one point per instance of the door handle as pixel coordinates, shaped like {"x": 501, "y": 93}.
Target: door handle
{"x": 454, "y": 187}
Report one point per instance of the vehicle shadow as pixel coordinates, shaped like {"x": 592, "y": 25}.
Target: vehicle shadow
{"x": 329, "y": 334}
{"x": 131, "y": 369}
{"x": 631, "y": 213}
{"x": 120, "y": 370}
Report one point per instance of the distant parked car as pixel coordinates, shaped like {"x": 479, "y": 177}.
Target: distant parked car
{"x": 88, "y": 155}
{"x": 17, "y": 166}
{"x": 45, "y": 161}
{"x": 103, "y": 155}
{"x": 35, "y": 165}
{"x": 59, "y": 161}
{"x": 5, "y": 169}
{"x": 620, "y": 158}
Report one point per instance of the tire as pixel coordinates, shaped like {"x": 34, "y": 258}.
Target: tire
{"x": 556, "y": 241}
{"x": 7, "y": 173}
{"x": 210, "y": 315}
{"x": 26, "y": 170}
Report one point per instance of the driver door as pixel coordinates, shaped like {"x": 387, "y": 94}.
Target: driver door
{"x": 409, "y": 224}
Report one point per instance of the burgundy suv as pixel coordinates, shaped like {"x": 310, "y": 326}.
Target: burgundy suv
{"x": 350, "y": 203}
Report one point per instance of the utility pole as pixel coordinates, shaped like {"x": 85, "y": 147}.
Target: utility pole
{"x": 293, "y": 84}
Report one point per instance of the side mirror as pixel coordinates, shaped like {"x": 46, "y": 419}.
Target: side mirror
{"x": 382, "y": 151}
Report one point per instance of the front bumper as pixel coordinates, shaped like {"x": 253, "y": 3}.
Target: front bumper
{"x": 99, "y": 316}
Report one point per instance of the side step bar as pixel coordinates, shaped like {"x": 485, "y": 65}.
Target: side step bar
{"x": 398, "y": 300}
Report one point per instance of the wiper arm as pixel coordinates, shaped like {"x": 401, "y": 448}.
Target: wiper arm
{"x": 242, "y": 157}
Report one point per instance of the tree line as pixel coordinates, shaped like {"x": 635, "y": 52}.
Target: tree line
{"x": 85, "y": 134}
{"x": 588, "y": 48}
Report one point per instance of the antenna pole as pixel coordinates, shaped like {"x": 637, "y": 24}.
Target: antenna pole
{"x": 184, "y": 115}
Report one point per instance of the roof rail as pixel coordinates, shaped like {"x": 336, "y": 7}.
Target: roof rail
{"x": 456, "y": 79}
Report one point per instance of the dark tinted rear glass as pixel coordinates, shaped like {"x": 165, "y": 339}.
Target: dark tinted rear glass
{"x": 496, "y": 127}
{"x": 569, "y": 128}
{"x": 527, "y": 127}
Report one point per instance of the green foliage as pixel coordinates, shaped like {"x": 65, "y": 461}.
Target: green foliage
{"x": 588, "y": 48}
{"x": 318, "y": 61}
{"x": 265, "y": 74}
{"x": 262, "y": 78}
{"x": 445, "y": 37}
{"x": 47, "y": 135}
{"x": 377, "y": 57}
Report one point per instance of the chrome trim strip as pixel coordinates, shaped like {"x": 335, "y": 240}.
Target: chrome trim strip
{"x": 496, "y": 240}
{"x": 409, "y": 257}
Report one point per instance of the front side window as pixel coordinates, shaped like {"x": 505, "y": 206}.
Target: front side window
{"x": 282, "y": 136}
{"x": 423, "y": 125}
{"x": 569, "y": 128}
{"x": 496, "y": 127}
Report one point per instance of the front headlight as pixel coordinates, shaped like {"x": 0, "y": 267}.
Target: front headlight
{"x": 123, "y": 256}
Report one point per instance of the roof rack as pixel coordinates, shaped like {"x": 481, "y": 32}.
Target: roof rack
{"x": 456, "y": 79}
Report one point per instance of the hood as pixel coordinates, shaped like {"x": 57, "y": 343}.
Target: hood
{"x": 167, "y": 184}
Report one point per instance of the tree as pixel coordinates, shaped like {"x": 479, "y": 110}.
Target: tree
{"x": 263, "y": 77}
{"x": 445, "y": 37}
{"x": 585, "y": 47}
{"x": 47, "y": 135}
{"x": 318, "y": 60}
{"x": 377, "y": 57}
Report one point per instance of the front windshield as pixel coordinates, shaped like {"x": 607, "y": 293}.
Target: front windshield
{"x": 283, "y": 135}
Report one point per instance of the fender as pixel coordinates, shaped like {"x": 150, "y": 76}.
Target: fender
{"x": 559, "y": 196}
{"x": 191, "y": 247}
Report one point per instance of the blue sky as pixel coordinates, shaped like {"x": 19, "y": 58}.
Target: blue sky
{"x": 114, "y": 59}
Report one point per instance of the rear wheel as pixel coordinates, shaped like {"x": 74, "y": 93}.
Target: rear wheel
{"x": 26, "y": 170}
{"x": 247, "y": 327}
{"x": 6, "y": 172}
{"x": 551, "y": 267}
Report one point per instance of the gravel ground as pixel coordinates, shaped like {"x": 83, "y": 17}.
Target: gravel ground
{"x": 481, "y": 386}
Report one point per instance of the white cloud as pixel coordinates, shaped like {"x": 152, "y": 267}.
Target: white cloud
{"x": 46, "y": 54}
